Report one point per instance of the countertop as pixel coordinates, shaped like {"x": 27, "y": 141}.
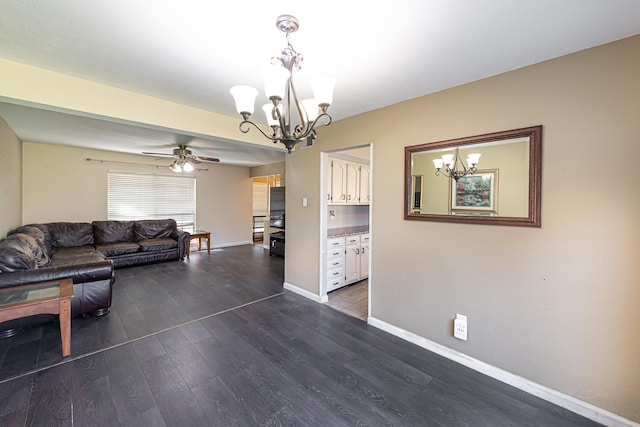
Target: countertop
{"x": 347, "y": 231}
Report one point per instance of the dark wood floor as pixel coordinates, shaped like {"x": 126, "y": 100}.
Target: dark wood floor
{"x": 215, "y": 341}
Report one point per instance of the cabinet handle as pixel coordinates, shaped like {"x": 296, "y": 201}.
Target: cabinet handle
{"x": 336, "y": 263}
{"x": 328, "y": 197}
{"x": 336, "y": 273}
{"x": 342, "y": 197}
{"x": 362, "y": 251}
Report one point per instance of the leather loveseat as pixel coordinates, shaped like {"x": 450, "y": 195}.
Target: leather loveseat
{"x": 87, "y": 253}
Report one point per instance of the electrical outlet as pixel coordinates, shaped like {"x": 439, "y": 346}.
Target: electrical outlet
{"x": 460, "y": 327}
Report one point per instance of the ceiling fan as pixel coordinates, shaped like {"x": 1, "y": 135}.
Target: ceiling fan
{"x": 184, "y": 160}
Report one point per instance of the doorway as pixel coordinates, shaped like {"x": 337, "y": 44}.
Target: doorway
{"x": 261, "y": 207}
{"x": 346, "y": 229}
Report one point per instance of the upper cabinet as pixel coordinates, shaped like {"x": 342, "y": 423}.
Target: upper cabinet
{"x": 365, "y": 181}
{"x": 348, "y": 183}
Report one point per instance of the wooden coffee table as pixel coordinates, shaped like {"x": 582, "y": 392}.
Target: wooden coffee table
{"x": 200, "y": 234}
{"x": 52, "y": 297}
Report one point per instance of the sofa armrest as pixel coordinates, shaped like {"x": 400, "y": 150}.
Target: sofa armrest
{"x": 183, "y": 242}
{"x": 81, "y": 273}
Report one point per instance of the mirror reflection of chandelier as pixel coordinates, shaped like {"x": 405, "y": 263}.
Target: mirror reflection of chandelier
{"x": 455, "y": 168}
{"x": 287, "y": 127}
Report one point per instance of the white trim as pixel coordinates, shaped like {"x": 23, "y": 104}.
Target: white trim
{"x": 226, "y": 245}
{"x": 563, "y": 400}
{"x": 305, "y": 293}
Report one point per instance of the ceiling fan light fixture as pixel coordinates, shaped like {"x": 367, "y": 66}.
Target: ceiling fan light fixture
{"x": 175, "y": 166}
{"x": 187, "y": 167}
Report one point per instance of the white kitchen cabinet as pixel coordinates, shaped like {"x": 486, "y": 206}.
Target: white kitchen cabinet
{"x": 364, "y": 256}
{"x": 352, "y": 184}
{"x": 364, "y": 194}
{"x": 335, "y": 263}
{"x": 337, "y": 182}
{"x": 347, "y": 183}
{"x": 352, "y": 259}
{"x": 356, "y": 264}
{"x": 347, "y": 260}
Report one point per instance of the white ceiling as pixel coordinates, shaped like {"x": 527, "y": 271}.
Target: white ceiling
{"x": 192, "y": 52}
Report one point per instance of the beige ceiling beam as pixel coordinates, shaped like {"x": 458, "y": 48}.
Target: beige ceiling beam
{"x": 27, "y": 85}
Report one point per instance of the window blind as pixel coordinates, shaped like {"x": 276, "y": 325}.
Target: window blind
{"x": 137, "y": 195}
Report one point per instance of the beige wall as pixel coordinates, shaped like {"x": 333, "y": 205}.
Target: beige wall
{"x": 557, "y": 305}
{"x": 60, "y": 185}
{"x": 10, "y": 179}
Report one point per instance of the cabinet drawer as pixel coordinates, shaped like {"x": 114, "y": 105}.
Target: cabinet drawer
{"x": 334, "y": 284}
{"x": 364, "y": 238}
{"x": 335, "y": 263}
{"x": 335, "y": 242}
{"x": 335, "y": 273}
{"x": 352, "y": 240}
{"x": 333, "y": 253}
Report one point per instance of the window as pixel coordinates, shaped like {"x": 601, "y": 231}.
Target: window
{"x": 137, "y": 195}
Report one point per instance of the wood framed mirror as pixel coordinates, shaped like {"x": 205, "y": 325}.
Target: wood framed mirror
{"x": 502, "y": 187}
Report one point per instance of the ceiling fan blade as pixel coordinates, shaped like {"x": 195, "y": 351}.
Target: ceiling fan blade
{"x": 158, "y": 154}
{"x": 206, "y": 159}
{"x": 194, "y": 160}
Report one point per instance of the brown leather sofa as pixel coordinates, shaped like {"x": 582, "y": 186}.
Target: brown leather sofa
{"x": 87, "y": 253}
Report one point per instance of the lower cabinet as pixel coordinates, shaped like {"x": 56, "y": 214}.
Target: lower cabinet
{"x": 347, "y": 260}
{"x": 335, "y": 263}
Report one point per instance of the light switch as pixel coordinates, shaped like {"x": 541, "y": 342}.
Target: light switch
{"x": 304, "y": 202}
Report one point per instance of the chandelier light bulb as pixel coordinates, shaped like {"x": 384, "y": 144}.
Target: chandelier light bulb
{"x": 449, "y": 160}
{"x": 187, "y": 167}
{"x": 275, "y": 81}
{"x": 311, "y": 110}
{"x": 245, "y": 97}
{"x": 473, "y": 159}
{"x": 322, "y": 87}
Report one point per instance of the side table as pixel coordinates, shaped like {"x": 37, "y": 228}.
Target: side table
{"x": 52, "y": 297}
{"x": 200, "y": 234}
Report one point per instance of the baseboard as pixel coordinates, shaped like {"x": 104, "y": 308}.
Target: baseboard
{"x": 227, "y": 245}
{"x": 563, "y": 400}
{"x": 305, "y": 293}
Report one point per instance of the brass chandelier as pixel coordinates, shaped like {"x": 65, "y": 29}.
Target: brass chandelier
{"x": 291, "y": 120}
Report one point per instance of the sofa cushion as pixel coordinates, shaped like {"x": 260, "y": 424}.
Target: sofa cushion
{"x": 74, "y": 251}
{"x": 154, "y": 228}
{"x": 118, "y": 248}
{"x": 17, "y": 253}
{"x": 48, "y": 243}
{"x": 43, "y": 254}
{"x": 78, "y": 259}
{"x": 159, "y": 244}
{"x": 71, "y": 234}
{"x": 112, "y": 232}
